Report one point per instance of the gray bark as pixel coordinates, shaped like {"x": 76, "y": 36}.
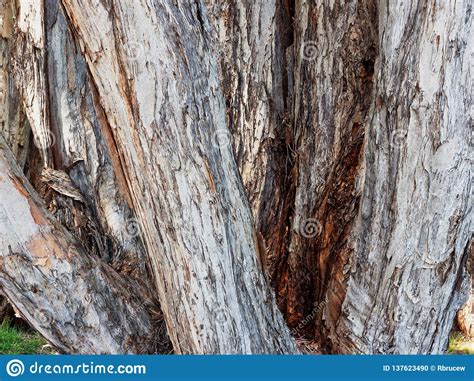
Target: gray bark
{"x": 74, "y": 300}
{"x": 334, "y": 52}
{"x": 164, "y": 115}
{"x": 331, "y": 49}
{"x": 411, "y": 239}
{"x": 85, "y": 149}
{"x": 251, "y": 42}
{"x": 358, "y": 180}
{"x": 77, "y": 172}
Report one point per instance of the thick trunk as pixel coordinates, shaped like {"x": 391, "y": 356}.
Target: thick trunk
{"x": 164, "y": 116}
{"x": 74, "y": 300}
{"x": 85, "y": 150}
{"x": 357, "y": 175}
{"x": 73, "y": 139}
{"x": 411, "y": 239}
{"x": 331, "y": 50}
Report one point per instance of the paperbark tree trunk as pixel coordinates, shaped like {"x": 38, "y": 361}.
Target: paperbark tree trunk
{"x": 165, "y": 116}
{"x": 334, "y": 51}
{"x": 331, "y": 48}
{"x": 411, "y": 239}
{"x": 344, "y": 125}
{"x": 252, "y": 45}
{"x": 73, "y": 299}
{"x": 80, "y": 181}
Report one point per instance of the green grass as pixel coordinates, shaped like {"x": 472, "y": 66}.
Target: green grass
{"x": 15, "y": 341}
{"x": 460, "y": 344}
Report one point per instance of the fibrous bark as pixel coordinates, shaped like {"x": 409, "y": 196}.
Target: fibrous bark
{"x": 85, "y": 150}
{"x": 73, "y": 299}
{"x": 252, "y": 45}
{"x": 334, "y": 52}
{"x": 411, "y": 239}
{"x": 159, "y": 87}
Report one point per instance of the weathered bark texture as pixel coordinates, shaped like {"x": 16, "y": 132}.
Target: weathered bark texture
{"x": 6, "y": 309}
{"x": 465, "y": 316}
{"x": 411, "y": 240}
{"x": 71, "y": 140}
{"x": 251, "y": 41}
{"x": 334, "y": 53}
{"x": 158, "y": 85}
{"x": 27, "y": 55}
{"x": 73, "y": 299}
{"x": 76, "y": 173}
{"x": 160, "y": 127}
{"x": 321, "y": 108}
{"x": 86, "y": 151}
{"x": 13, "y": 122}
{"x": 304, "y": 72}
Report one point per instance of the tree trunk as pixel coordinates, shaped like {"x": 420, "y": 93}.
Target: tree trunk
{"x": 411, "y": 239}
{"x": 84, "y": 148}
{"x": 74, "y": 300}
{"x": 160, "y": 129}
{"x": 465, "y": 316}
{"x": 334, "y": 52}
{"x": 333, "y": 49}
{"x": 251, "y": 43}
{"x": 80, "y": 183}
{"x": 194, "y": 216}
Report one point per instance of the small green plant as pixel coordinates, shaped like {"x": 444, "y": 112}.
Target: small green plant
{"x": 15, "y": 341}
{"x": 460, "y": 344}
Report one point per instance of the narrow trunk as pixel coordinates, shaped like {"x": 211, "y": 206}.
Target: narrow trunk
{"x": 254, "y": 48}
{"x": 347, "y": 120}
{"x": 334, "y": 54}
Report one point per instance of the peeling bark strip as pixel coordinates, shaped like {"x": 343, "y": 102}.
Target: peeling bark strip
{"x": 251, "y": 42}
{"x": 13, "y": 122}
{"x": 159, "y": 87}
{"x": 75, "y": 301}
{"x": 84, "y": 149}
{"x": 77, "y": 139}
{"x": 411, "y": 239}
{"x": 28, "y": 62}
